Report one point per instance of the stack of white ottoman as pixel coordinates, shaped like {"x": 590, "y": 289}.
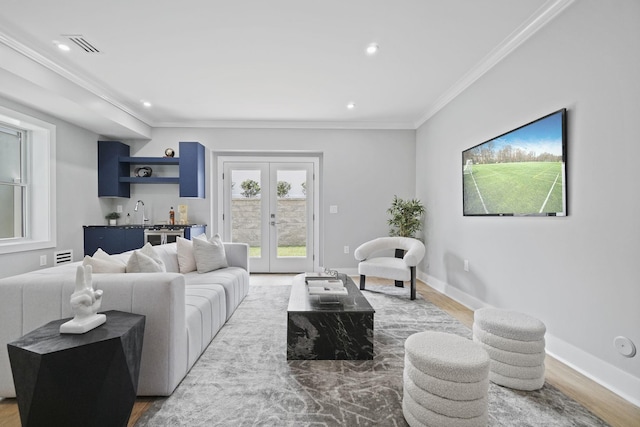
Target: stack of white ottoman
{"x": 515, "y": 343}
{"x": 445, "y": 382}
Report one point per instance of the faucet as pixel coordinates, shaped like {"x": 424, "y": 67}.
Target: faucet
{"x": 144, "y": 219}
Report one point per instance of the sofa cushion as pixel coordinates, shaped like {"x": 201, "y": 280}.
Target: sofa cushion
{"x": 234, "y": 280}
{"x": 168, "y": 254}
{"x": 209, "y": 254}
{"x": 206, "y": 314}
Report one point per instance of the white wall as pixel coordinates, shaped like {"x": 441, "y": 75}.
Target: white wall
{"x": 362, "y": 171}
{"x": 578, "y": 274}
{"x": 76, "y": 191}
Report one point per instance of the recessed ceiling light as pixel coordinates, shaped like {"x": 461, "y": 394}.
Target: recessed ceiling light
{"x": 351, "y": 105}
{"x": 62, "y": 46}
{"x": 372, "y": 49}
{"x": 146, "y": 104}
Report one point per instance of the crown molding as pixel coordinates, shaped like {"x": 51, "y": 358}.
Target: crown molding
{"x": 92, "y": 87}
{"x": 288, "y": 124}
{"x": 541, "y": 17}
{"x": 536, "y": 21}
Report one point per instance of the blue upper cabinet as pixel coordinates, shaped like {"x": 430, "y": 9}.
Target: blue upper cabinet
{"x": 114, "y": 169}
{"x": 110, "y": 169}
{"x": 191, "y": 170}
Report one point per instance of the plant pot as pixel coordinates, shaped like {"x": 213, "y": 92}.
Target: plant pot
{"x": 113, "y": 222}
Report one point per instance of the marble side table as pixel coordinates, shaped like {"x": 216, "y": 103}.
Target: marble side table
{"x": 88, "y": 379}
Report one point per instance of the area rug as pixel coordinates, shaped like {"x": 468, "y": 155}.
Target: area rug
{"x": 244, "y": 378}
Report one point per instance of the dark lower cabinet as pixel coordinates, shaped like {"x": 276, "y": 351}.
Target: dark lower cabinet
{"x": 118, "y": 239}
{"x": 112, "y": 240}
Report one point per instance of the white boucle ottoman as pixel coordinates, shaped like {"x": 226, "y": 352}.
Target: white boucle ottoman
{"x": 445, "y": 381}
{"x": 515, "y": 343}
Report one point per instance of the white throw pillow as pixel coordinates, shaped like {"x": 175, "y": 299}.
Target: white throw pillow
{"x": 145, "y": 260}
{"x": 141, "y": 263}
{"x": 103, "y": 263}
{"x": 100, "y": 254}
{"x": 151, "y": 253}
{"x": 209, "y": 254}
{"x": 186, "y": 258}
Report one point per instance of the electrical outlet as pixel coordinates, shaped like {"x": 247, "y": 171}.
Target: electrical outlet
{"x": 333, "y": 209}
{"x": 43, "y": 260}
{"x": 119, "y": 208}
{"x": 346, "y": 249}
{"x": 466, "y": 265}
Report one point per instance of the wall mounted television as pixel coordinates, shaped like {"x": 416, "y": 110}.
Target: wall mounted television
{"x": 519, "y": 173}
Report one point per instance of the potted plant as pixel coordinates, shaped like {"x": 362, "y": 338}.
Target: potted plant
{"x": 406, "y": 217}
{"x": 112, "y": 217}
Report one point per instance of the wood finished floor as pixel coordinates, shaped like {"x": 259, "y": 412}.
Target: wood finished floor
{"x": 602, "y": 402}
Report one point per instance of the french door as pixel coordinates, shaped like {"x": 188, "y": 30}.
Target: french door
{"x": 270, "y": 205}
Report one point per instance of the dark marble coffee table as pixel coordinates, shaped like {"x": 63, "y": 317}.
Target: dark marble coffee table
{"x": 329, "y": 327}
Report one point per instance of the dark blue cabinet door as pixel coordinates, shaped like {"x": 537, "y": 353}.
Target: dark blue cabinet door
{"x": 110, "y": 169}
{"x": 191, "y": 169}
{"x": 133, "y": 239}
{"x": 110, "y": 240}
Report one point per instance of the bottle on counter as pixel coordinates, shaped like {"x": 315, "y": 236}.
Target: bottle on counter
{"x": 172, "y": 217}
{"x": 127, "y": 220}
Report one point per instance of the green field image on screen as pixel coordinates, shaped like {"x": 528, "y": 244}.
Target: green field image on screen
{"x": 522, "y": 188}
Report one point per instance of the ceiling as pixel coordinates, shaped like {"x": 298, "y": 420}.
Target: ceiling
{"x": 254, "y": 63}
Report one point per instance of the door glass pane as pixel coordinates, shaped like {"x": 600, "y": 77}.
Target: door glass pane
{"x": 246, "y": 209}
{"x": 291, "y": 213}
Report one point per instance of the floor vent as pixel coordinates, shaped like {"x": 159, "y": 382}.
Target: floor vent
{"x": 63, "y": 257}
{"x": 82, "y": 43}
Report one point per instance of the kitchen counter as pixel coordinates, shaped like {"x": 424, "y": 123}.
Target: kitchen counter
{"x": 115, "y": 239}
{"x": 148, "y": 226}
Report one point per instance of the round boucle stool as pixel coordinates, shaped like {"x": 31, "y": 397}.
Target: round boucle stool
{"x": 515, "y": 343}
{"x": 445, "y": 381}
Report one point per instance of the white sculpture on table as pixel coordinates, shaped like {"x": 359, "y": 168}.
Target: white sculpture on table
{"x": 85, "y": 303}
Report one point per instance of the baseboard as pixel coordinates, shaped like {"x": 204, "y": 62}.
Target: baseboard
{"x": 611, "y": 377}
{"x": 618, "y": 381}
{"x": 455, "y": 294}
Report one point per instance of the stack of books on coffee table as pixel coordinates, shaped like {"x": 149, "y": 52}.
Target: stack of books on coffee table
{"x": 326, "y": 287}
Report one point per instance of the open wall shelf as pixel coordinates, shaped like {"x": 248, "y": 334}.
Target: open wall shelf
{"x": 114, "y": 169}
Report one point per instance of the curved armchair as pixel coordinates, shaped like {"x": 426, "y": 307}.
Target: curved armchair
{"x": 396, "y": 268}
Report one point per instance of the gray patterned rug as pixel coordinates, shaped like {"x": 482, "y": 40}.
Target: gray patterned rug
{"x": 244, "y": 379}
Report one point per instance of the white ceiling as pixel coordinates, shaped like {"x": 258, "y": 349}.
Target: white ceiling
{"x": 277, "y": 63}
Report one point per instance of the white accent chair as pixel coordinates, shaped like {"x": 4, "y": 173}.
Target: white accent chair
{"x": 401, "y": 266}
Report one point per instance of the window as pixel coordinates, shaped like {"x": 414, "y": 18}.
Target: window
{"x": 27, "y": 183}
{"x": 12, "y": 183}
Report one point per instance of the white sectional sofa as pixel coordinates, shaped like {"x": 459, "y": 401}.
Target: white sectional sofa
{"x": 183, "y": 311}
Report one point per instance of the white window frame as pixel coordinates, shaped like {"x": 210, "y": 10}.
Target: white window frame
{"x": 40, "y": 206}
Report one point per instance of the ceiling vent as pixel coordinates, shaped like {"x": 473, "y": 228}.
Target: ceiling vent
{"x": 82, "y": 43}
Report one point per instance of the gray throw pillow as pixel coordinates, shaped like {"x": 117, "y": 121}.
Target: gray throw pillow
{"x": 145, "y": 260}
{"x": 141, "y": 263}
{"x": 209, "y": 254}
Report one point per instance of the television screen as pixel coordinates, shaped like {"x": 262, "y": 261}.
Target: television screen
{"x": 521, "y": 172}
